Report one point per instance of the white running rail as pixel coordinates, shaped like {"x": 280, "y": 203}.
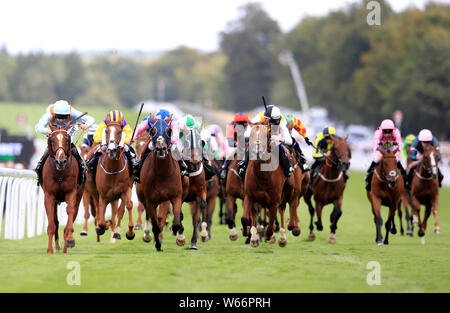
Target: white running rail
{"x": 22, "y": 209}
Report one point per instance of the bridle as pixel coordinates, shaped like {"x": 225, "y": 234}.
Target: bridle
{"x": 388, "y": 178}
{"x": 53, "y": 154}
{"x": 431, "y": 170}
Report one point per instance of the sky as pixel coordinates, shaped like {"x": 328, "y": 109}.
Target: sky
{"x": 140, "y": 25}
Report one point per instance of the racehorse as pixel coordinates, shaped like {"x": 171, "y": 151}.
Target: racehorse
{"x": 328, "y": 187}
{"x": 212, "y": 191}
{"x": 160, "y": 180}
{"x": 234, "y": 189}
{"x": 387, "y": 189}
{"x": 221, "y": 194}
{"x": 88, "y": 199}
{"x": 113, "y": 181}
{"x": 425, "y": 191}
{"x": 263, "y": 183}
{"x": 60, "y": 177}
{"x": 197, "y": 192}
{"x": 141, "y": 147}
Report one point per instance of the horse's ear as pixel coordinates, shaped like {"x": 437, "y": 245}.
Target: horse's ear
{"x": 168, "y": 119}
{"x": 396, "y": 150}
{"x": 345, "y": 139}
{"x": 152, "y": 119}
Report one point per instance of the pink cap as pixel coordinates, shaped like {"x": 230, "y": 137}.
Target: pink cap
{"x": 387, "y": 124}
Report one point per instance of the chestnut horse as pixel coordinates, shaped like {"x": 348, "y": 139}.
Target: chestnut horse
{"x": 263, "y": 182}
{"x": 160, "y": 180}
{"x": 88, "y": 200}
{"x": 197, "y": 192}
{"x": 113, "y": 181}
{"x": 141, "y": 147}
{"x": 387, "y": 188}
{"x": 328, "y": 187}
{"x": 425, "y": 191}
{"x": 60, "y": 177}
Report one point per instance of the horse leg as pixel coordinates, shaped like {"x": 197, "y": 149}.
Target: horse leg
{"x": 151, "y": 211}
{"x": 195, "y": 212}
{"x": 319, "y": 207}
{"x": 416, "y": 214}
{"x": 69, "y": 241}
{"x": 389, "y": 222}
{"x": 230, "y": 217}
{"x": 378, "y": 220}
{"x": 269, "y": 234}
{"x": 282, "y": 241}
{"x": 294, "y": 221}
{"x": 435, "y": 205}
{"x": 209, "y": 214}
{"x": 86, "y": 204}
{"x": 334, "y": 218}
{"x": 147, "y": 236}
{"x": 140, "y": 210}
{"x": 307, "y": 197}
{"x": 176, "y": 204}
{"x": 203, "y": 207}
{"x": 423, "y": 225}
{"x": 245, "y": 216}
{"x": 115, "y": 228}
{"x": 129, "y": 204}
{"x": 100, "y": 219}
{"x": 408, "y": 217}
{"x": 50, "y": 208}
{"x": 400, "y": 217}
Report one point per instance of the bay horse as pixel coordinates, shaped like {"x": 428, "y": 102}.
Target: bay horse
{"x": 113, "y": 181}
{"x": 387, "y": 188}
{"x": 197, "y": 192}
{"x": 328, "y": 187}
{"x": 221, "y": 194}
{"x": 425, "y": 191}
{"x": 234, "y": 189}
{"x": 161, "y": 180}
{"x": 141, "y": 147}
{"x": 263, "y": 183}
{"x": 60, "y": 177}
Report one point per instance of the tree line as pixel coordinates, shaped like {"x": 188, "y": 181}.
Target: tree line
{"x": 360, "y": 73}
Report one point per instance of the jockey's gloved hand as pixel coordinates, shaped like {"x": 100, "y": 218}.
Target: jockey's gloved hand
{"x": 103, "y": 147}
{"x": 308, "y": 141}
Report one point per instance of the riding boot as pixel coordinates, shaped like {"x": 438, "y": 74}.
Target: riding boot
{"x": 301, "y": 157}
{"x": 82, "y": 172}
{"x": 242, "y": 165}
{"x": 402, "y": 171}
{"x": 183, "y": 167}
{"x": 224, "y": 169}
{"x": 315, "y": 167}
{"x": 132, "y": 163}
{"x": 209, "y": 170}
{"x": 440, "y": 178}
{"x": 369, "y": 175}
{"x": 92, "y": 163}
{"x": 287, "y": 168}
{"x": 409, "y": 177}
{"x": 40, "y": 166}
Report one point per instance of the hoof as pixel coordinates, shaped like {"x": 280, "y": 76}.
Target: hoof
{"x": 409, "y": 232}
{"x": 181, "y": 240}
{"x": 138, "y": 227}
{"x": 282, "y": 243}
{"x": 69, "y": 244}
{"x": 117, "y": 236}
{"x": 205, "y": 239}
{"x": 312, "y": 236}
{"x": 332, "y": 239}
{"x": 296, "y": 232}
{"x": 319, "y": 226}
{"x": 83, "y": 233}
{"x": 272, "y": 239}
{"x": 193, "y": 246}
{"x": 393, "y": 231}
{"x": 130, "y": 237}
{"x": 99, "y": 231}
{"x": 422, "y": 240}
{"x": 233, "y": 237}
{"x": 247, "y": 240}
{"x": 147, "y": 237}
{"x": 380, "y": 243}
{"x": 437, "y": 230}
{"x": 254, "y": 243}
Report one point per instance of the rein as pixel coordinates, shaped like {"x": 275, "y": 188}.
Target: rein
{"x": 102, "y": 165}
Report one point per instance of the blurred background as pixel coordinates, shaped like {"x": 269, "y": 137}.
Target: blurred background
{"x": 321, "y": 60}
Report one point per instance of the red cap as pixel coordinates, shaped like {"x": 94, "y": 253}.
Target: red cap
{"x": 240, "y": 117}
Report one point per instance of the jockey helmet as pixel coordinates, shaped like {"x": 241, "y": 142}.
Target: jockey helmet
{"x": 115, "y": 116}
{"x": 214, "y": 129}
{"x": 425, "y": 135}
{"x": 387, "y": 124}
{"x": 190, "y": 122}
{"x": 273, "y": 113}
{"x": 409, "y": 139}
{"x": 328, "y": 131}
{"x": 61, "y": 108}
{"x": 163, "y": 114}
{"x": 240, "y": 117}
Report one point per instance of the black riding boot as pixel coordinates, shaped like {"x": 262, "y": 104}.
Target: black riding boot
{"x": 440, "y": 177}
{"x": 301, "y": 157}
{"x": 224, "y": 169}
{"x": 402, "y": 171}
{"x": 285, "y": 163}
{"x": 409, "y": 177}
{"x": 40, "y": 166}
{"x": 315, "y": 167}
{"x": 82, "y": 172}
{"x": 92, "y": 163}
{"x": 132, "y": 163}
{"x": 369, "y": 175}
{"x": 209, "y": 170}
{"x": 183, "y": 168}
{"x": 242, "y": 165}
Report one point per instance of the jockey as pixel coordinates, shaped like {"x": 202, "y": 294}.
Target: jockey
{"x": 423, "y": 141}
{"x": 387, "y": 136}
{"x": 113, "y": 116}
{"x": 239, "y": 124}
{"x": 210, "y": 143}
{"x": 322, "y": 145}
{"x": 274, "y": 116}
{"x": 407, "y": 145}
{"x": 219, "y": 138}
{"x": 146, "y": 125}
{"x": 59, "y": 114}
{"x": 88, "y": 139}
{"x": 187, "y": 123}
{"x": 294, "y": 123}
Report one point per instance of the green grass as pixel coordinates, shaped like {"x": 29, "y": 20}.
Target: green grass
{"x": 221, "y": 265}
